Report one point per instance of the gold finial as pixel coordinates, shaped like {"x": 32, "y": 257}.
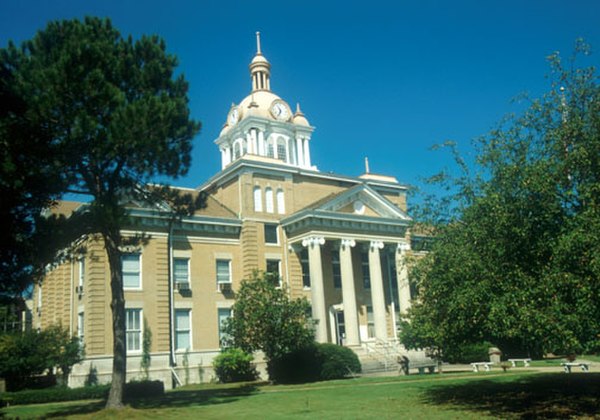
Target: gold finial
{"x": 366, "y": 165}
{"x": 258, "y": 43}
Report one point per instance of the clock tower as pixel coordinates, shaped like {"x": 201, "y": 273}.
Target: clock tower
{"x": 263, "y": 125}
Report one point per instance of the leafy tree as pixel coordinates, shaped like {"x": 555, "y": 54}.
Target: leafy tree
{"x": 24, "y": 354}
{"x": 119, "y": 118}
{"x": 517, "y": 260}
{"x": 265, "y": 318}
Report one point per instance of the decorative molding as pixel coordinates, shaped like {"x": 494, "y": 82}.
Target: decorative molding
{"x": 313, "y": 240}
{"x": 403, "y": 247}
{"x": 348, "y": 243}
{"x": 376, "y": 245}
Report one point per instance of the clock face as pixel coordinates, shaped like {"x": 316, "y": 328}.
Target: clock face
{"x": 234, "y": 114}
{"x": 280, "y": 111}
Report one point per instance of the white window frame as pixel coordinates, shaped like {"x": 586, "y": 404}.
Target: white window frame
{"x": 304, "y": 263}
{"x": 269, "y": 205}
{"x": 139, "y": 255}
{"x": 219, "y": 323}
{"x": 81, "y": 326}
{"x": 280, "y": 201}
{"x": 179, "y": 330}
{"x": 187, "y": 280}
{"x": 81, "y": 271}
{"x": 229, "y": 281}
{"x": 276, "y": 233}
{"x": 280, "y": 275}
{"x": 257, "y": 195}
{"x": 139, "y": 331}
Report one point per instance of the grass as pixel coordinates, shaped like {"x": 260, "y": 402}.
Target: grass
{"x": 465, "y": 396}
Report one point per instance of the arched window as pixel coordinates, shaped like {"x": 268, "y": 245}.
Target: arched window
{"x": 257, "y": 199}
{"x": 269, "y": 199}
{"x": 280, "y": 202}
{"x": 237, "y": 149}
{"x": 271, "y": 148}
{"x": 281, "y": 149}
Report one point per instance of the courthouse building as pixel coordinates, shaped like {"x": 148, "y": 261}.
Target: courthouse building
{"x": 340, "y": 241}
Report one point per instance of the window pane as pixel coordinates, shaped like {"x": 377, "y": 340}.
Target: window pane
{"x": 130, "y": 266}
{"x": 336, "y": 269}
{"x": 133, "y": 329}
{"x": 280, "y": 202}
{"x": 269, "y": 200}
{"x": 365, "y": 270}
{"x": 271, "y": 234}
{"x": 257, "y": 199}
{"x": 223, "y": 271}
{"x": 182, "y": 329}
{"x": 182, "y": 319}
{"x": 181, "y": 270}
{"x": 305, "y": 268}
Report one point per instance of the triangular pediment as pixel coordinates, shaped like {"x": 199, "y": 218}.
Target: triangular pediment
{"x": 362, "y": 200}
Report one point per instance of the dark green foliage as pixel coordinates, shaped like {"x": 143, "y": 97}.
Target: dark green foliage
{"x": 235, "y": 365}
{"x": 337, "y": 362}
{"x": 112, "y": 114}
{"x": 144, "y": 389}
{"x": 267, "y": 319}
{"x": 468, "y": 353}
{"x": 315, "y": 362}
{"x": 55, "y": 394}
{"x": 23, "y": 355}
{"x": 517, "y": 261}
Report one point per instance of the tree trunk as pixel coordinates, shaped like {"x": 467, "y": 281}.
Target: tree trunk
{"x": 117, "y": 305}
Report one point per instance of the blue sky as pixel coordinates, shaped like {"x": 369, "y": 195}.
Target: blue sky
{"x": 383, "y": 79}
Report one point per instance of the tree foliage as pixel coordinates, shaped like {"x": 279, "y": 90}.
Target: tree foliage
{"x": 24, "y": 354}
{"x": 265, "y": 318}
{"x": 517, "y": 261}
{"x": 116, "y": 116}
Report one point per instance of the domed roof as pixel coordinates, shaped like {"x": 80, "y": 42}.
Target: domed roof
{"x": 261, "y": 100}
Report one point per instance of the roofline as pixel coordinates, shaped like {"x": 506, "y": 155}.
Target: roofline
{"x": 223, "y": 175}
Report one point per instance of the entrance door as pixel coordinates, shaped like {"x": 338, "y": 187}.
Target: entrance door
{"x": 340, "y": 327}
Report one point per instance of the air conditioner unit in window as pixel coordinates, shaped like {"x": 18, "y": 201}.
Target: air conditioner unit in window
{"x": 183, "y": 286}
{"x": 225, "y": 287}
{"x": 79, "y": 290}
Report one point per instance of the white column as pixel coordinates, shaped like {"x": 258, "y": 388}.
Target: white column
{"x": 288, "y": 147}
{"x": 317, "y": 292}
{"x": 402, "y": 276}
{"x": 377, "y": 294}
{"x": 299, "y": 151}
{"x": 223, "y": 159}
{"x": 349, "y": 293}
{"x": 306, "y": 154}
{"x": 261, "y": 143}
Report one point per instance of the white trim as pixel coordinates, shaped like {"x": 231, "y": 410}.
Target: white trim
{"x": 141, "y": 331}
{"x": 189, "y": 313}
{"x": 141, "y": 284}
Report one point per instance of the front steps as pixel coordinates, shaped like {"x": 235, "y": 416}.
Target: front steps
{"x": 379, "y": 357}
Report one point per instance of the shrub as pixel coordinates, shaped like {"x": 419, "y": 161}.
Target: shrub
{"x": 317, "y": 362}
{"x": 337, "y": 361}
{"x": 143, "y": 389}
{"x": 235, "y": 365}
{"x": 55, "y": 394}
{"x": 468, "y": 353}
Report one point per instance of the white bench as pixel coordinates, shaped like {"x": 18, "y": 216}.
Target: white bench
{"x": 525, "y": 362}
{"x": 486, "y": 366}
{"x": 585, "y": 367}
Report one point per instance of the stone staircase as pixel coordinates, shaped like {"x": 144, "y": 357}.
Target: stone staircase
{"x": 382, "y": 356}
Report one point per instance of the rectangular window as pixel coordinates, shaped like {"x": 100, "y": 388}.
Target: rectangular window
{"x": 336, "y": 269}
{"x": 183, "y": 329}
{"x": 80, "y": 327}
{"x": 181, "y": 271}
{"x": 274, "y": 269}
{"x": 364, "y": 261}
{"x": 271, "y": 236}
{"x": 305, "y": 268}
{"x": 81, "y": 279}
{"x": 133, "y": 328}
{"x": 223, "y": 271}
{"x": 130, "y": 266}
{"x": 223, "y": 314}
{"x": 370, "y": 322}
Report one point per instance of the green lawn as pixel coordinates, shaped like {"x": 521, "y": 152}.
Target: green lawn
{"x": 465, "y": 396}
{"x": 558, "y": 360}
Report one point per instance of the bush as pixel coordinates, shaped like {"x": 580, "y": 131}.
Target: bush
{"x": 337, "y": 361}
{"x": 56, "y": 394}
{"x": 317, "y": 362}
{"x": 143, "y": 389}
{"x": 468, "y": 353}
{"x": 235, "y": 365}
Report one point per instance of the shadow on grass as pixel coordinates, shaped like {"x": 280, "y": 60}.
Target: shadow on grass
{"x": 535, "y": 396}
{"x": 182, "y": 398}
